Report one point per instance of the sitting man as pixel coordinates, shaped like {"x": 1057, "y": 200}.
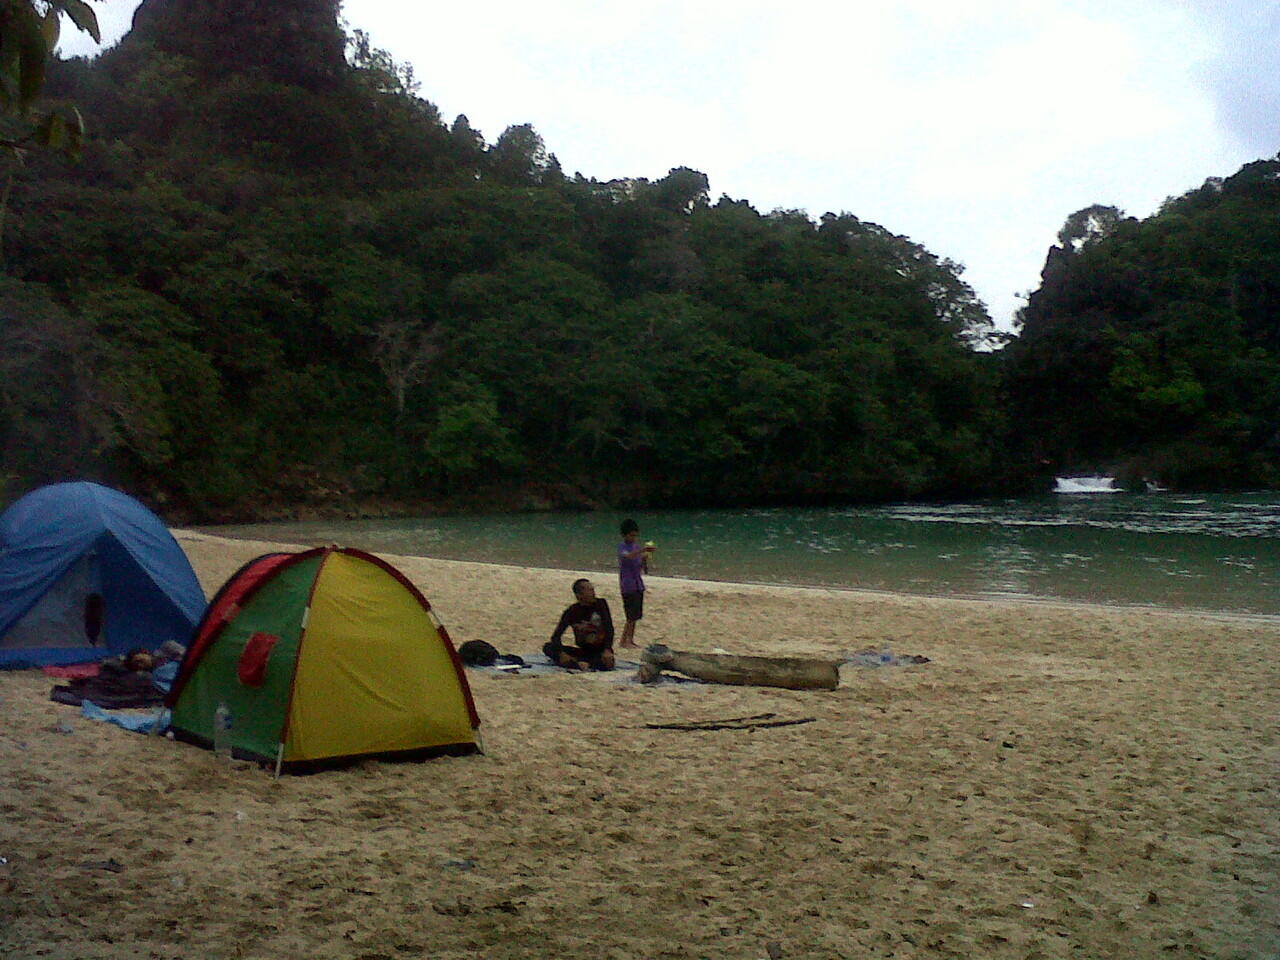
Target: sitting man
{"x": 592, "y": 632}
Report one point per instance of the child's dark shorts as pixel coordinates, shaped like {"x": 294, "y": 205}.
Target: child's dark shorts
{"x": 633, "y": 605}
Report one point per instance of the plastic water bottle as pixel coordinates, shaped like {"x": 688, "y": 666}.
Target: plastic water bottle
{"x": 222, "y": 731}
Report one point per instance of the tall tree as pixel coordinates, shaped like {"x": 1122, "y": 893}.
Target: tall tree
{"x": 520, "y": 156}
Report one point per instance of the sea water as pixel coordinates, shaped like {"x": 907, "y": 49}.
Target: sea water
{"x": 1216, "y": 552}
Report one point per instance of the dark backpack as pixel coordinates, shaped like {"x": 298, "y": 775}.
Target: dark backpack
{"x": 478, "y": 653}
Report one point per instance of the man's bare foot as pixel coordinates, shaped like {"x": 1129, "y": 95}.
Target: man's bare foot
{"x": 606, "y": 660}
{"x": 628, "y": 643}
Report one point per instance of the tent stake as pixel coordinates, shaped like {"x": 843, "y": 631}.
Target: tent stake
{"x": 279, "y": 760}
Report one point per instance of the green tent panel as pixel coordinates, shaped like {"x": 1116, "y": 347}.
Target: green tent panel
{"x": 259, "y": 713}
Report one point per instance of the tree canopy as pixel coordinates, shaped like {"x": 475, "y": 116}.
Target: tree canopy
{"x": 1153, "y": 347}
{"x": 278, "y": 276}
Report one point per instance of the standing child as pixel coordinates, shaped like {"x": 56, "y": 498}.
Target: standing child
{"x": 631, "y": 562}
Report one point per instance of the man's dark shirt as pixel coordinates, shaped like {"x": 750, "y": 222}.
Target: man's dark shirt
{"x": 596, "y": 613}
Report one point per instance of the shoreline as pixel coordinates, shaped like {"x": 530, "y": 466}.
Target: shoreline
{"x": 1033, "y": 601}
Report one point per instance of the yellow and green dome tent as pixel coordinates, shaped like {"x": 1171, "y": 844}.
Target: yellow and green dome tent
{"x": 322, "y": 656}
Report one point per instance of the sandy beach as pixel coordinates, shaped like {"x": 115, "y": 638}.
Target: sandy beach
{"x": 1059, "y": 781}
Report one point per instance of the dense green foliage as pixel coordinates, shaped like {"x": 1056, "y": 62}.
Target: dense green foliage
{"x": 1152, "y": 348}
{"x": 278, "y": 276}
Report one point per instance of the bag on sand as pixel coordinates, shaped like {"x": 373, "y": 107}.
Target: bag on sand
{"x": 478, "y": 653}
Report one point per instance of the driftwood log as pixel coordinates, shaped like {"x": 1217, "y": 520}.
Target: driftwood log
{"x": 794, "y": 673}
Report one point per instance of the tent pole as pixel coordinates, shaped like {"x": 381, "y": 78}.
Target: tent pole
{"x": 279, "y": 760}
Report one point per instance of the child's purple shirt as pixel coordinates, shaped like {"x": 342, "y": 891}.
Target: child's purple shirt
{"x": 629, "y": 568}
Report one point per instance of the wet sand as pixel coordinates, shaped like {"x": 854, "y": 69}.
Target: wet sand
{"x": 1060, "y": 781}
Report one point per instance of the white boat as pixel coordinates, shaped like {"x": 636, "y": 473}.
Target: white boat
{"x": 1094, "y": 484}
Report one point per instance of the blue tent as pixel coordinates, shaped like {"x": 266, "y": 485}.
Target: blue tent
{"x": 87, "y": 572}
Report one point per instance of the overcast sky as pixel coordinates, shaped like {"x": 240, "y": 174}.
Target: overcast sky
{"x": 974, "y": 127}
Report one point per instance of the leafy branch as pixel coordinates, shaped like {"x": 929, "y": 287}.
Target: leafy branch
{"x": 29, "y": 31}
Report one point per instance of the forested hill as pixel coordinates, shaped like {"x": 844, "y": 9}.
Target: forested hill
{"x": 277, "y": 276}
{"x": 1152, "y": 348}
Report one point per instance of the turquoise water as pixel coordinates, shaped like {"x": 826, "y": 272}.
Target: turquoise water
{"x": 1216, "y": 552}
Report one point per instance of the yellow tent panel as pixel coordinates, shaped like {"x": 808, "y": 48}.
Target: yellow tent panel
{"x": 374, "y": 674}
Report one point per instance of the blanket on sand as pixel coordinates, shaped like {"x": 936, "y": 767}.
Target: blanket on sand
{"x": 111, "y": 691}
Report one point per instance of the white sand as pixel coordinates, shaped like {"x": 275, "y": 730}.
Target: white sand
{"x": 1061, "y": 781}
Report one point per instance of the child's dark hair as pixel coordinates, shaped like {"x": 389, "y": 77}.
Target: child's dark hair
{"x": 629, "y": 526}
{"x": 578, "y": 583}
